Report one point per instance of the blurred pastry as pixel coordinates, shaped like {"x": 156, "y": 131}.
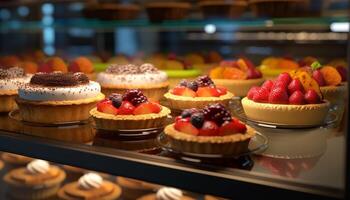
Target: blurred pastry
{"x": 223, "y": 9}
{"x": 15, "y": 160}
{"x": 271, "y": 67}
{"x": 133, "y": 189}
{"x": 164, "y": 194}
{"x": 53, "y": 64}
{"x": 83, "y": 64}
{"x": 114, "y": 11}
{"x": 278, "y": 8}
{"x": 159, "y": 11}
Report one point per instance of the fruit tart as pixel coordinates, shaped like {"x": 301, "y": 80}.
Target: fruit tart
{"x": 210, "y": 130}
{"x": 146, "y": 77}
{"x": 197, "y": 94}
{"x": 58, "y": 98}
{"x": 10, "y": 80}
{"x": 289, "y": 100}
{"x": 132, "y": 110}
{"x": 237, "y": 76}
{"x": 271, "y": 67}
{"x": 82, "y": 64}
{"x": 166, "y": 193}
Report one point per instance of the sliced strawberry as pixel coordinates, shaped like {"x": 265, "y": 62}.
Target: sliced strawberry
{"x": 126, "y": 108}
{"x": 207, "y": 92}
{"x": 209, "y": 128}
{"x": 147, "y": 108}
{"x": 222, "y": 90}
{"x": 227, "y": 128}
{"x": 183, "y": 91}
{"x": 186, "y": 127}
{"x": 106, "y": 106}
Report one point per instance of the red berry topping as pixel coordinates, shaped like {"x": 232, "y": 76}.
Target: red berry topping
{"x": 312, "y": 97}
{"x": 209, "y": 128}
{"x": 317, "y": 75}
{"x": 278, "y": 95}
{"x": 297, "y": 98}
{"x": 116, "y": 99}
{"x": 268, "y": 85}
{"x": 217, "y": 113}
{"x": 261, "y": 95}
{"x": 183, "y": 91}
{"x": 343, "y": 73}
{"x": 252, "y": 92}
{"x": 253, "y": 73}
{"x": 126, "y": 108}
{"x": 106, "y": 106}
{"x": 147, "y": 108}
{"x": 221, "y": 90}
{"x": 204, "y": 81}
{"x": 283, "y": 80}
{"x": 186, "y": 127}
{"x": 239, "y": 126}
{"x": 208, "y": 92}
{"x": 295, "y": 85}
{"x": 134, "y": 96}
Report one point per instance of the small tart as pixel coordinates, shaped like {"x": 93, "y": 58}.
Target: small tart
{"x": 112, "y": 122}
{"x": 334, "y": 94}
{"x": 234, "y": 144}
{"x": 239, "y": 87}
{"x": 308, "y": 115}
{"x": 8, "y": 102}
{"x": 1, "y": 165}
{"x": 15, "y": 159}
{"x": 133, "y": 189}
{"x": 154, "y": 197}
{"x": 183, "y": 102}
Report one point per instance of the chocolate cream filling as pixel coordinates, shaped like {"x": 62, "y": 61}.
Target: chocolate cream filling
{"x": 59, "y": 79}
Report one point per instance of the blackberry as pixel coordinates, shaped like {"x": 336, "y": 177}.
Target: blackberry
{"x": 183, "y": 83}
{"x": 193, "y": 85}
{"x": 134, "y": 96}
{"x": 204, "y": 81}
{"x": 188, "y": 112}
{"x": 197, "y": 119}
{"x": 116, "y": 99}
{"x": 217, "y": 113}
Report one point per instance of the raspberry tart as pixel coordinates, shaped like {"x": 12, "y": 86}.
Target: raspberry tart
{"x": 197, "y": 94}
{"x": 237, "y": 76}
{"x": 147, "y": 78}
{"x": 210, "y": 130}
{"x": 289, "y": 100}
{"x": 66, "y": 97}
{"x": 132, "y": 110}
{"x": 10, "y": 80}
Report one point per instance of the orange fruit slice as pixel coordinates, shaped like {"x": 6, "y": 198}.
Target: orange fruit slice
{"x": 216, "y": 72}
{"x": 331, "y": 75}
{"x": 234, "y": 73}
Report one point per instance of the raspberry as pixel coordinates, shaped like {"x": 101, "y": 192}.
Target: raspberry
{"x": 217, "y": 113}
{"x": 116, "y": 99}
{"x": 135, "y": 97}
{"x": 204, "y": 81}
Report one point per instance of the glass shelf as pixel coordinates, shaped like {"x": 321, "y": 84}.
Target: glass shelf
{"x": 303, "y": 163}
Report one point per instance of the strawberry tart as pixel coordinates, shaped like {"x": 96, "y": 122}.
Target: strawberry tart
{"x": 10, "y": 80}
{"x": 290, "y": 100}
{"x": 237, "y": 76}
{"x": 132, "y": 110}
{"x": 147, "y": 78}
{"x": 197, "y": 94}
{"x": 67, "y": 97}
{"x": 210, "y": 130}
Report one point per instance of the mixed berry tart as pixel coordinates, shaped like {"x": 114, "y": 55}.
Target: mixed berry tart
{"x": 237, "y": 76}
{"x": 197, "y": 94}
{"x": 292, "y": 99}
{"x": 58, "y": 97}
{"x": 132, "y": 110}
{"x": 210, "y": 130}
{"x": 147, "y": 78}
{"x": 10, "y": 80}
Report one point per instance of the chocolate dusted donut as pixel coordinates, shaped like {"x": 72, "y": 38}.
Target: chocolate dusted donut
{"x": 13, "y": 72}
{"x": 59, "y": 79}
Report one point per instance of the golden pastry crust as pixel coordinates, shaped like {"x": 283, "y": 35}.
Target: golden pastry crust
{"x": 309, "y": 114}
{"x": 8, "y": 103}
{"x": 153, "y": 197}
{"x": 239, "y": 87}
{"x": 107, "y": 121}
{"x": 182, "y": 102}
{"x": 234, "y": 144}
{"x": 334, "y": 94}
{"x": 8, "y": 92}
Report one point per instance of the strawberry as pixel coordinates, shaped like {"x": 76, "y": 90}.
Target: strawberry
{"x": 126, "y": 108}
{"x": 317, "y": 75}
{"x": 278, "y": 95}
{"x": 252, "y": 92}
{"x": 268, "y": 85}
{"x": 283, "y": 80}
{"x": 221, "y": 90}
{"x": 253, "y": 73}
{"x": 312, "y": 97}
{"x": 183, "y": 91}
{"x": 261, "y": 95}
{"x": 209, "y": 128}
{"x": 186, "y": 127}
{"x": 343, "y": 73}
{"x": 297, "y": 98}
{"x": 106, "y": 106}
{"x": 146, "y": 108}
{"x": 239, "y": 126}
{"x": 207, "y": 92}
{"x": 295, "y": 85}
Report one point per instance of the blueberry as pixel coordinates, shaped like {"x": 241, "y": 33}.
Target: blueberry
{"x": 183, "y": 83}
{"x": 197, "y": 119}
{"x": 116, "y": 99}
{"x": 188, "y": 112}
{"x": 193, "y": 85}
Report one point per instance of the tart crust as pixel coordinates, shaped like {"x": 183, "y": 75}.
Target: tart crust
{"x": 182, "y": 102}
{"x": 234, "y": 144}
{"x": 334, "y": 94}
{"x": 309, "y": 114}
{"x": 239, "y": 87}
{"x": 111, "y": 122}
{"x": 59, "y": 111}
{"x": 7, "y": 100}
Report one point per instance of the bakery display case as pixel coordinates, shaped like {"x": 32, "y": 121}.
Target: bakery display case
{"x": 187, "y": 99}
